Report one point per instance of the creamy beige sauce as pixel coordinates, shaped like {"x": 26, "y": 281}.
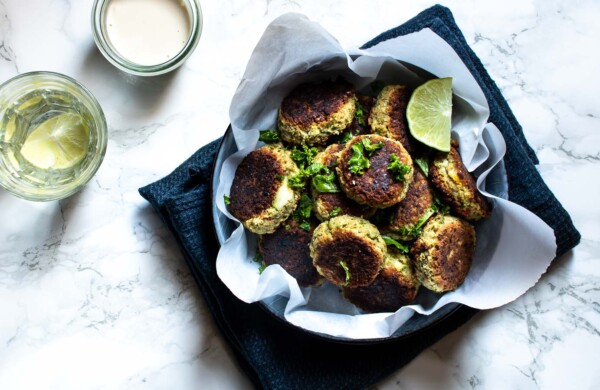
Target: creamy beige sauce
{"x": 147, "y": 32}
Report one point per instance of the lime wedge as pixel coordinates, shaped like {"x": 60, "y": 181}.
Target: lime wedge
{"x": 58, "y": 143}
{"x": 429, "y": 113}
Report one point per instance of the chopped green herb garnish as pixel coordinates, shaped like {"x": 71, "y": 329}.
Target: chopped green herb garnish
{"x": 335, "y": 212}
{"x": 227, "y": 200}
{"x": 304, "y": 207}
{"x": 287, "y": 227}
{"x": 298, "y": 181}
{"x": 325, "y": 183}
{"x": 370, "y": 147}
{"x": 303, "y": 157}
{"x": 280, "y": 177}
{"x": 303, "y": 212}
{"x": 269, "y": 136}
{"x": 358, "y": 162}
{"x": 398, "y": 245}
{"x": 416, "y": 229}
{"x": 397, "y": 168}
{"x": 323, "y": 179}
{"x": 359, "y": 114}
{"x": 346, "y": 136}
{"x": 440, "y": 206}
{"x": 262, "y": 267}
{"x": 259, "y": 259}
{"x": 423, "y": 163}
{"x": 347, "y": 271}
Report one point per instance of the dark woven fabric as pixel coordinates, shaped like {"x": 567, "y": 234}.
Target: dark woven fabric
{"x": 276, "y": 356}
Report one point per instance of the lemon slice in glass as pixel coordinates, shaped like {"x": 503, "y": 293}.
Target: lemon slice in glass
{"x": 429, "y": 113}
{"x": 58, "y": 143}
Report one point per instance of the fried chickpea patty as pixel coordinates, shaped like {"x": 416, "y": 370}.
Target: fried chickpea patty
{"x": 329, "y": 204}
{"x": 457, "y": 186}
{"x": 312, "y": 113}
{"x": 406, "y": 215}
{"x": 394, "y": 287}
{"x": 260, "y": 196}
{"x": 288, "y": 247}
{"x": 388, "y": 116}
{"x": 376, "y": 186}
{"x": 360, "y": 122}
{"x": 348, "y": 251}
{"x": 443, "y": 253}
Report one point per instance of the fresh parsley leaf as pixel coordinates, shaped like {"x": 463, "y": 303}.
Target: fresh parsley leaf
{"x": 269, "y": 136}
{"x": 347, "y": 271}
{"x": 398, "y": 245}
{"x": 227, "y": 200}
{"x": 415, "y": 230}
{"x": 397, "y": 168}
{"x": 303, "y": 212}
{"x": 262, "y": 267}
{"x": 370, "y": 147}
{"x": 323, "y": 180}
{"x": 423, "y": 163}
{"x": 346, "y": 136}
{"x": 440, "y": 206}
{"x": 358, "y": 162}
{"x": 259, "y": 259}
{"x": 325, "y": 183}
{"x": 316, "y": 168}
{"x": 298, "y": 181}
{"x": 303, "y": 156}
{"x": 335, "y": 212}
{"x": 359, "y": 114}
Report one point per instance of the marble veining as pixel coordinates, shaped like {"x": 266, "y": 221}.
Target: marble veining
{"x": 95, "y": 294}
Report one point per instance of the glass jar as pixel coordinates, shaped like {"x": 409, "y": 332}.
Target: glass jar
{"x": 53, "y": 136}
{"x": 144, "y": 27}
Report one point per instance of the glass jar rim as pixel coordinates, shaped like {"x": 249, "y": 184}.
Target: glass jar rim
{"x": 98, "y": 11}
{"x": 48, "y": 79}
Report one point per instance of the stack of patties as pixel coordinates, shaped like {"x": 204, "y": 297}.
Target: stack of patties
{"x": 342, "y": 192}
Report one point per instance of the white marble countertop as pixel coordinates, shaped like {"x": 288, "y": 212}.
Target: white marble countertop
{"x": 94, "y": 293}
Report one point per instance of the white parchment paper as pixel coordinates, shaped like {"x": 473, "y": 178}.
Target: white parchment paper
{"x": 514, "y": 247}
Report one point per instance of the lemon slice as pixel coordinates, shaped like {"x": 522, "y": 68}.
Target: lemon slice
{"x": 58, "y": 143}
{"x": 429, "y": 113}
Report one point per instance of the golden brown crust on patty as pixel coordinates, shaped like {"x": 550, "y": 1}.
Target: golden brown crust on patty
{"x": 260, "y": 195}
{"x": 361, "y": 126}
{"x": 255, "y": 183}
{"x": 394, "y": 287}
{"x": 457, "y": 186}
{"x": 416, "y": 205}
{"x": 443, "y": 254}
{"x": 376, "y": 187}
{"x": 329, "y": 156}
{"x": 288, "y": 247}
{"x": 388, "y": 116}
{"x": 311, "y": 113}
{"x": 348, "y": 251}
{"x": 327, "y": 205}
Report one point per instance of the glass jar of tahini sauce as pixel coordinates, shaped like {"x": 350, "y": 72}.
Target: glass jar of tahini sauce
{"x": 146, "y": 37}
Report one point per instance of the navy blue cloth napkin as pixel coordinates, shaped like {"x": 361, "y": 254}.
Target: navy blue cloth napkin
{"x": 277, "y": 356}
